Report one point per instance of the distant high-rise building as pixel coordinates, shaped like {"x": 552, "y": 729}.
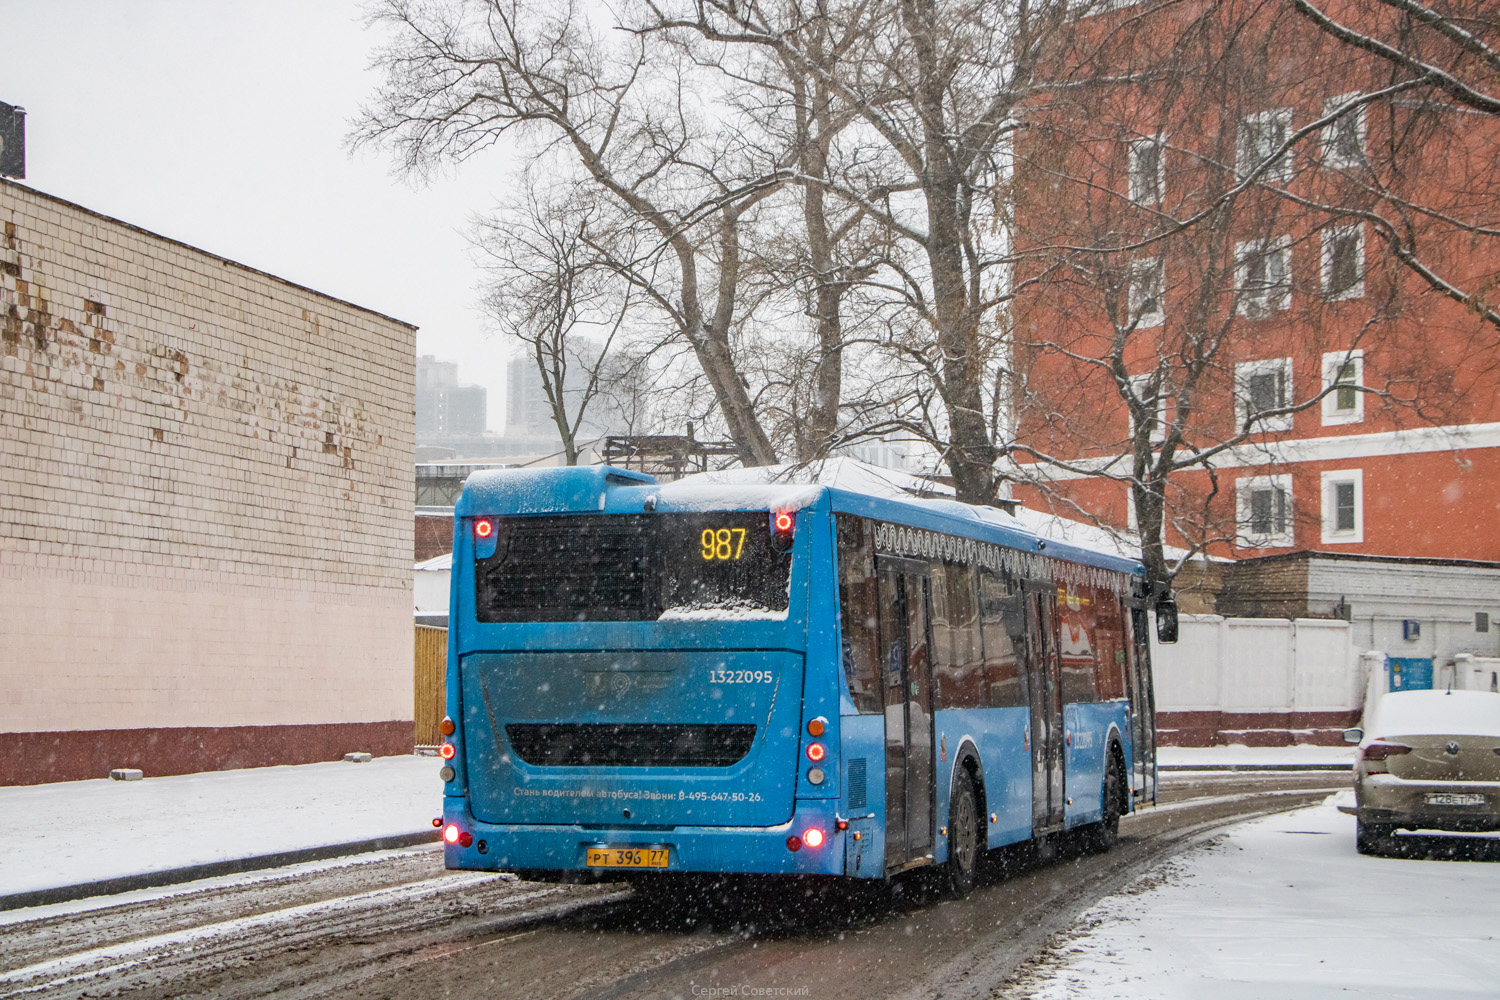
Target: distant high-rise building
{"x": 527, "y": 411}
{"x": 446, "y": 409}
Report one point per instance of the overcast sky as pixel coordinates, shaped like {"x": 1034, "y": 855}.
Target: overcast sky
{"x": 222, "y": 124}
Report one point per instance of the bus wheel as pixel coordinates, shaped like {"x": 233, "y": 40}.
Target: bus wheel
{"x": 1101, "y": 836}
{"x": 963, "y": 836}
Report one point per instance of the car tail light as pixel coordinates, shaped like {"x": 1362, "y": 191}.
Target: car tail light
{"x": 1380, "y": 751}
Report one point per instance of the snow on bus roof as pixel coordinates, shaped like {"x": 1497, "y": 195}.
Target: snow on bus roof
{"x": 854, "y": 476}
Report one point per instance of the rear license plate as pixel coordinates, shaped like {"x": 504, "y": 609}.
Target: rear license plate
{"x": 627, "y": 857}
{"x": 1454, "y": 799}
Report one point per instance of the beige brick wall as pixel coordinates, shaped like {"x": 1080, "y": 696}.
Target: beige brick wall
{"x": 205, "y": 487}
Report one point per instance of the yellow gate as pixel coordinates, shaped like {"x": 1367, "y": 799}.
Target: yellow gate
{"x": 429, "y": 691}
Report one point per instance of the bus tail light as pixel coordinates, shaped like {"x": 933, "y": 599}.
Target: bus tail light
{"x": 451, "y": 833}
{"x": 447, "y": 750}
{"x": 783, "y": 529}
{"x": 794, "y": 843}
{"x": 483, "y": 528}
{"x": 446, "y": 727}
{"x": 812, "y": 837}
{"x": 815, "y": 752}
{"x": 817, "y": 727}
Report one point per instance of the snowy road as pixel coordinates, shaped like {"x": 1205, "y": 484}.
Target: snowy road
{"x": 396, "y": 925}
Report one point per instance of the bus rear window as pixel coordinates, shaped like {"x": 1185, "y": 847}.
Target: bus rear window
{"x": 632, "y": 567}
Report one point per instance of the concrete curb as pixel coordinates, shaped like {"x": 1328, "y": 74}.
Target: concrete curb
{"x": 1255, "y": 767}
{"x": 213, "y": 869}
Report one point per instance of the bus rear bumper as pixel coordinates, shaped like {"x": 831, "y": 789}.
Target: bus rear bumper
{"x": 725, "y": 850}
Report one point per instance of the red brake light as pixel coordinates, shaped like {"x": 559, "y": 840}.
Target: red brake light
{"x": 785, "y": 521}
{"x": 1380, "y": 751}
{"x": 484, "y": 528}
{"x": 812, "y": 837}
{"x": 451, "y": 834}
{"x": 783, "y": 529}
{"x": 815, "y": 751}
{"x": 446, "y": 751}
{"x": 794, "y": 843}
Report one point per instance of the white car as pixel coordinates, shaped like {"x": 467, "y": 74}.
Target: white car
{"x": 1428, "y": 760}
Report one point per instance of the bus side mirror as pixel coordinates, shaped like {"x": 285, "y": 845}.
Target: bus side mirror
{"x": 1166, "y": 621}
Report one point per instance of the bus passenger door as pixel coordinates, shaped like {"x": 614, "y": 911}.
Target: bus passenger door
{"x": 907, "y": 662}
{"x": 1142, "y": 708}
{"x": 1046, "y": 714}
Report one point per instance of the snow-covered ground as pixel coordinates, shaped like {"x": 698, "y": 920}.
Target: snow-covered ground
{"x": 74, "y": 832}
{"x": 1243, "y": 756}
{"x": 1283, "y": 908}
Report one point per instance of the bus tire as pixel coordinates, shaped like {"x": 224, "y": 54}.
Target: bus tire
{"x": 964, "y": 845}
{"x": 1101, "y": 836}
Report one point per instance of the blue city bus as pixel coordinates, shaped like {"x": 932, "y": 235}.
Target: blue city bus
{"x": 683, "y": 677}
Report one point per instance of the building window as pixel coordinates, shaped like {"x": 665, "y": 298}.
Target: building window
{"x": 1262, "y": 386}
{"x": 1343, "y": 375}
{"x": 1261, "y": 137}
{"x": 1265, "y": 512}
{"x": 1147, "y": 279}
{"x": 1263, "y": 276}
{"x": 1344, "y": 506}
{"x": 1148, "y": 170}
{"x": 1481, "y": 621}
{"x": 1154, "y": 398}
{"x": 1344, "y": 137}
{"x": 1344, "y": 262}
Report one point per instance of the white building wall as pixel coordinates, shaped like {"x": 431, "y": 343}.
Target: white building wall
{"x": 205, "y": 488}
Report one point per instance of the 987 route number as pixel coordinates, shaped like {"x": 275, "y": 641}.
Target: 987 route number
{"x": 739, "y": 676}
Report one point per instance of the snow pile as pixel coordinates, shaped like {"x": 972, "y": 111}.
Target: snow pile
{"x": 74, "y": 832}
{"x": 1238, "y": 755}
{"x": 1284, "y": 907}
{"x": 1436, "y": 713}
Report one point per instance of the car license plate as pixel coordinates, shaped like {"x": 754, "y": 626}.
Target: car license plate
{"x": 1454, "y": 799}
{"x": 627, "y": 857}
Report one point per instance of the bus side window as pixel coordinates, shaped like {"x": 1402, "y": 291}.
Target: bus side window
{"x": 1076, "y": 610}
{"x": 1004, "y": 678}
{"x": 859, "y": 613}
{"x": 958, "y": 664}
{"x": 1109, "y": 644}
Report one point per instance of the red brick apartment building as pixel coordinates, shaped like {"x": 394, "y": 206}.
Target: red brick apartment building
{"x": 1256, "y": 242}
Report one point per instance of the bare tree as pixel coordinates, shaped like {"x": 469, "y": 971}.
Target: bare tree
{"x": 462, "y": 76}
{"x": 551, "y": 293}
{"x": 938, "y": 88}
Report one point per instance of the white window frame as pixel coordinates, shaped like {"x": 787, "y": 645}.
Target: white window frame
{"x": 1158, "y": 316}
{"x": 1354, "y": 119}
{"x": 1243, "y": 372}
{"x": 1267, "y": 299}
{"x": 1331, "y": 480}
{"x": 1159, "y": 432}
{"x": 1332, "y": 362}
{"x": 1331, "y": 235}
{"x": 1251, "y": 150}
{"x": 1158, "y": 190}
{"x": 1248, "y": 539}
